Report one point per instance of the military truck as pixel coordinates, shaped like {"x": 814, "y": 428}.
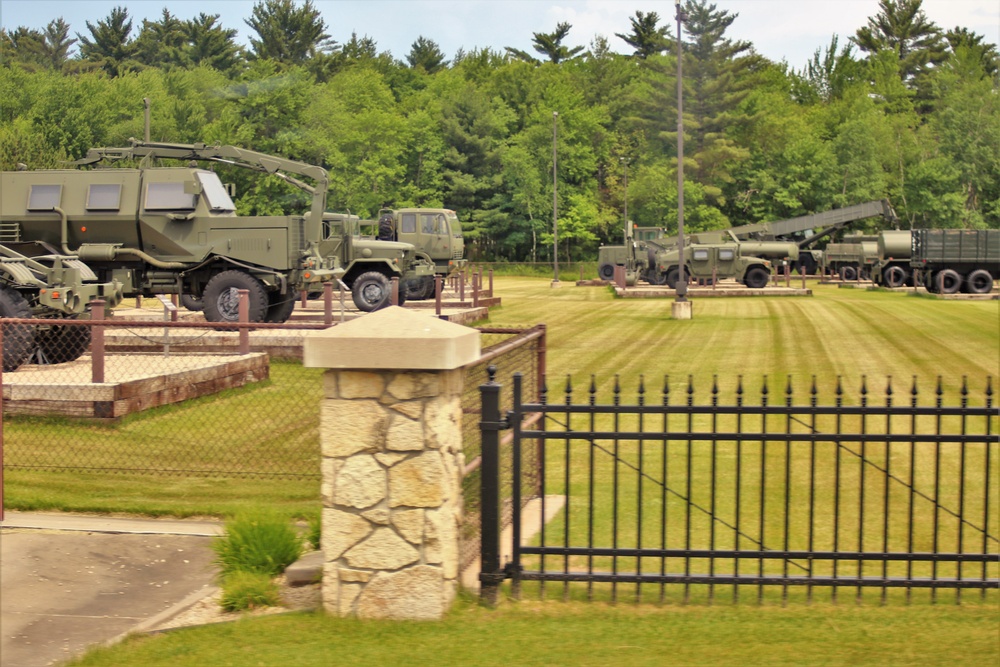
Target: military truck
{"x": 707, "y": 261}
{"x": 948, "y": 260}
{"x": 853, "y": 259}
{"x": 892, "y": 268}
{"x": 175, "y": 230}
{"x": 436, "y": 233}
{"x": 633, "y": 255}
{"x": 39, "y": 282}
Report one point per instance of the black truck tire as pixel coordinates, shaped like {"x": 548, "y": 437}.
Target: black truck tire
{"x": 606, "y": 271}
{"x": 222, "y": 302}
{"x": 59, "y": 344}
{"x": 18, "y": 339}
{"x": 895, "y": 276}
{"x": 193, "y": 303}
{"x": 979, "y": 281}
{"x": 848, "y": 273}
{"x": 371, "y": 291}
{"x": 279, "y": 307}
{"x": 948, "y": 281}
{"x": 756, "y": 277}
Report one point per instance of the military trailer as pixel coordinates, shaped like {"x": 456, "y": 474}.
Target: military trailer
{"x": 892, "y": 269}
{"x": 436, "y": 233}
{"x": 175, "y": 230}
{"x": 853, "y": 259}
{"x": 950, "y": 260}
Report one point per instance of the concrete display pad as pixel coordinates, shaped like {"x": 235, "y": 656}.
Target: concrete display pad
{"x": 133, "y": 382}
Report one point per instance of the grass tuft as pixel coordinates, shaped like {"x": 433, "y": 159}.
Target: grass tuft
{"x": 242, "y": 590}
{"x": 259, "y": 541}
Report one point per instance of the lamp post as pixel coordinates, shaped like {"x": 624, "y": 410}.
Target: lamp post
{"x": 555, "y": 205}
{"x": 625, "y": 200}
{"x": 682, "y": 307}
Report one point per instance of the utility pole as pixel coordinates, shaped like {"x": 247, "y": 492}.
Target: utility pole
{"x": 555, "y": 204}
{"x": 681, "y": 308}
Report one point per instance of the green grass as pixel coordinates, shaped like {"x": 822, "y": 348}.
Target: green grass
{"x": 582, "y": 635}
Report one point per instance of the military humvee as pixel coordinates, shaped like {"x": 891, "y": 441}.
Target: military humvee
{"x": 705, "y": 261}
{"x": 175, "y": 230}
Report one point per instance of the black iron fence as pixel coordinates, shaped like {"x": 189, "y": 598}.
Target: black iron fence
{"x": 664, "y": 498}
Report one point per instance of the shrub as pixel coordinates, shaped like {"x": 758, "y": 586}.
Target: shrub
{"x": 314, "y": 533}
{"x": 257, "y": 541}
{"x": 243, "y": 590}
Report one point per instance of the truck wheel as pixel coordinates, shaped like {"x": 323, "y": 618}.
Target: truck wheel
{"x": 193, "y": 303}
{"x": 979, "y": 281}
{"x": 18, "y": 339}
{"x": 948, "y": 281}
{"x": 671, "y": 277}
{"x": 894, "y": 276}
{"x": 371, "y": 291}
{"x": 606, "y": 271}
{"x": 848, "y": 273}
{"x": 756, "y": 277}
{"x": 930, "y": 282}
{"x": 222, "y": 301}
{"x": 59, "y": 344}
{"x": 279, "y": 306}
{"x": 806, "y": 264}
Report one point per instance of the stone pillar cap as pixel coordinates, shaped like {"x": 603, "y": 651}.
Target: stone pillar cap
{"x": 392, "y": 338}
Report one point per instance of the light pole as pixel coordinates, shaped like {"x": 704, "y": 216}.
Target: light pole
{"x": 682, "y": 277}
{"x": 625, "y": 198}
{"x": 555, "y": 204}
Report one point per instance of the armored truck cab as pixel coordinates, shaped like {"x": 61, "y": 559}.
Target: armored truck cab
{"x": 436, "y": 233}
{"x": 707, "y": 261}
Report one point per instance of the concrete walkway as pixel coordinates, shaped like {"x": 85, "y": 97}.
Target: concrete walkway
{"x": 72, "y": 581}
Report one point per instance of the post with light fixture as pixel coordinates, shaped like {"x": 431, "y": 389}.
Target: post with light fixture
{"x": 681, "y": 308}
{"x": 555, "y": 205}
{"x": 628, "y": 229}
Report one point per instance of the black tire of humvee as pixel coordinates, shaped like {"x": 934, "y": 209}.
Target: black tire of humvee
{"x": 222, "y": 302}
{"x": 372, "y": 291}
{"x": 279, "y": 307}
{"x": 59, "y": 344}
{"x": 949, "y": 280}
{"x": 18, "y": 340}
{"x": 756, "y": 277}
{"x": 671, "y": 277}
{"x": 606, "y": 271}
{"x": 848, "y": 273}
{"x": 979, "y": 281}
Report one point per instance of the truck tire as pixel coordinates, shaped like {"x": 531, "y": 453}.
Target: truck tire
{"x": 606, "y": 271}
{"x": 18, "y": 339}
{"x": 806, "y": 264}
{"x": 671, "y": 277}
{"x": 848, "y": 273}
{"x": 371, "y": 291}
{"x": 930, "y": 282}
{"x": 279, "y": 307}
{"x": 979, "y": 281}
{"x": 193, "y": 303}
{"x": 894, "y": 276}
{"x": 222, "y": 302}
{"x": 948, "y": 281}
{"x": 756, "y": 277}
{"x": 59, "y": 344}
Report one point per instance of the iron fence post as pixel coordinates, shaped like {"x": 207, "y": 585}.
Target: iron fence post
{"x": 97, "y": 342}
{"x": 491, "y": 574}
{"x": 438, "y": 288}
{"x": 244, "y": 316}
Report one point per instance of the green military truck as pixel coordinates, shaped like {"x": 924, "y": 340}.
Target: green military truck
{"x": 175, "y": 230}
{"x": 707, "y": 261}
{"x": 634, "y": 255}
{"x": 892, "y": 269}
{"x": 946, "y": 261}
{"x": 852, "y": 259}
{"x": 436, "y": 233}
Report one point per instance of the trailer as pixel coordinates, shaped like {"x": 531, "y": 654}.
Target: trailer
{"x": 947, "y": 261}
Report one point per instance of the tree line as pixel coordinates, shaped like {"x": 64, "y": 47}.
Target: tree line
{"x": 903, "y": 110}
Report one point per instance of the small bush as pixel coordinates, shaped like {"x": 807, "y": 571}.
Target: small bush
{"x": 314, "y": 533}
{"x": 259, "y": 541}
{"x": 248, "y": 590}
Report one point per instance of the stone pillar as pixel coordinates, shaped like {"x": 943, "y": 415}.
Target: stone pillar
{"x": 391, "y": 434}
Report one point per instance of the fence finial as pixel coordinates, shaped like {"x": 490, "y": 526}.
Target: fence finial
{"x": 491, "y": 372}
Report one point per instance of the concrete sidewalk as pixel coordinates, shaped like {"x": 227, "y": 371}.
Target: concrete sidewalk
{"x": 72, "y": 581}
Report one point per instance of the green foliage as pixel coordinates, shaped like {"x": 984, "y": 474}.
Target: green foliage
{"x": 243, "y": 590}
{"x": 257, "y": 540}
{"x": 314, "y": 534}
{"x": 287, "y": 33}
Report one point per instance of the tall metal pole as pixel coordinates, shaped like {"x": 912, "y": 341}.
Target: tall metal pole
{"x": 555, "y": 203}
{"x": 682, "y": 277}
{"x": 628, "y": 229}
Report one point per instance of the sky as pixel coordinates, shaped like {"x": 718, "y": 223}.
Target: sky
{"x": 789, "y": 30}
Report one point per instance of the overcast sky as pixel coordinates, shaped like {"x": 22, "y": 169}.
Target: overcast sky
{"x": 788, "y": 30}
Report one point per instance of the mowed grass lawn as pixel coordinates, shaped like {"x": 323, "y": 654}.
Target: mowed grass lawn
{"x": 837, "y": 332}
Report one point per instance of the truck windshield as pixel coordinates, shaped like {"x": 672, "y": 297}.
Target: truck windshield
{"x": 215, "y": 193}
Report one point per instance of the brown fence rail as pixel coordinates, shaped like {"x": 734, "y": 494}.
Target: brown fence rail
{"x": 668, "y": 498}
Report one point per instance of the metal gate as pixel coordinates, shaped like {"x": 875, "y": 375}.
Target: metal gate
{"x": 668, "y": 499}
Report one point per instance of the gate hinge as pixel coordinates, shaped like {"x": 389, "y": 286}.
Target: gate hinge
{"x": 501, "y": 425}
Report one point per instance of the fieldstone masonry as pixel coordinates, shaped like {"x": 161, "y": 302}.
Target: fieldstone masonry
{"x": 392, "y": 461}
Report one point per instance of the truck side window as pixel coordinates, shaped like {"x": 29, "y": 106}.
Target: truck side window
{"x": 104, "y": 197}
{"x": 169, "y": 197}
{"x": 44, "y": 197}
{"x": 726, "y": 254}
{"x": 427, "y": 224}
{"x": 409, "y": 224}
{"x": 700, "y": 255}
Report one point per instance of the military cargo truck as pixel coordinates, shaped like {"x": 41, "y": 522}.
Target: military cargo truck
{"x": 892, "y": 269}
{"x": 436, "y": 233}
{"x": 948, "y": 260}
{"x": 853, "y": 259}
{"x": 175, "y": 230}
